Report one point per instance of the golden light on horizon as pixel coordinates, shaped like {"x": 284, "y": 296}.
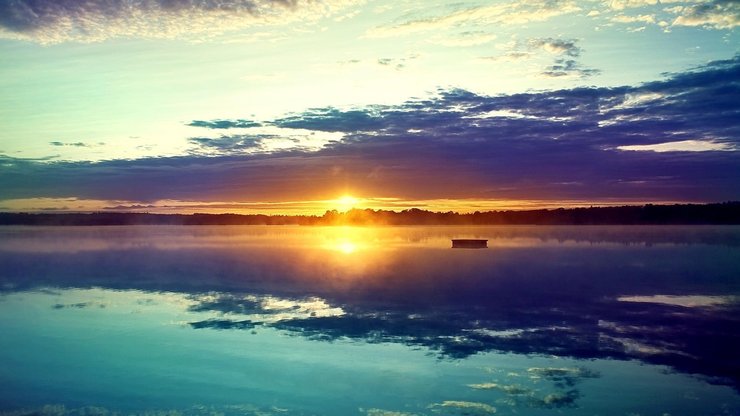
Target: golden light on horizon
{"x": 343, "y": 203}
{"x": 346, "y": 202}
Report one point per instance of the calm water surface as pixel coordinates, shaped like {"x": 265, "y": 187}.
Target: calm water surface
{"x": 369, "y": 321}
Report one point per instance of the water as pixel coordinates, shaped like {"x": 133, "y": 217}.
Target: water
{"x": 369, "y": 321}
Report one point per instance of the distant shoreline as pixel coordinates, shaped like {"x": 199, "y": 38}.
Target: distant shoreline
{"x": 725, "y": 213}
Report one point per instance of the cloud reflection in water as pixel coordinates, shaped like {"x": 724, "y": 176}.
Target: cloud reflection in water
{"x": 587, "y": 292}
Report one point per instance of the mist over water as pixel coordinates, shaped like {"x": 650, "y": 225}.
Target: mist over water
{"x": 369, "y": 321}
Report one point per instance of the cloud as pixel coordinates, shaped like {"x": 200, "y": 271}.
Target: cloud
{"x": 687, "y": 301}
{"x": 717, "y": 14}
{"x": 643, "y": 18}
{"x": 567, "y": 52}
{"x": 222, "y": 324}
{"x": 681, "y": 146}
{"x": 556, "y": 400}
{"x": 79, "y": 305}
{"x": 397, "y": 63}
{"x": 54, "y": 21}
{"x": 334, "y": 120}
{"x": 713, "y": 14}
{"x": 509, "y": 56}
{"x": 519, "y": 146}
{"x": 628, "y": 4}
{"x": 382, "y": 412}
{"x": 458, "y": 407}
{"x": 262, "y": 309}
{"x": 556, "y": 46}
{"x": 568, "y": 68}
{"x": 506, "y": 14}
{"x": 66, "y": 410}
{"x": 563, "y": 380}
{"x": 224, "y": 124}
{"x": 130, "y": 207}
{"x": 512, "y": 389}
{"x": 228, "y": 144}
{"x": 565, "y": 375}
{"x": 228, "y": 303}
{"x": 278, "y": 140}
{"x": 74, "y": 144}
{"x": 464, "y": 39}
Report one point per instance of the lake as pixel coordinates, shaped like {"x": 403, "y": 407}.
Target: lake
{"x": 280, "y": 320}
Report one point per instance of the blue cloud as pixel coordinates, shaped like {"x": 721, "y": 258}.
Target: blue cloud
{"x": 332, "y": 119}
{"x": 568, "y": 67}
{"x": 228, "y": 144}
{"x": 224, "y": 124}
{"x": 75, "y": 144}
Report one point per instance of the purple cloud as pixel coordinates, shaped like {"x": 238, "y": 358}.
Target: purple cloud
{"x": 565, "y": 144}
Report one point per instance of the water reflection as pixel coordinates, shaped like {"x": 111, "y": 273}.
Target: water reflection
{"x": 661, "y": 295}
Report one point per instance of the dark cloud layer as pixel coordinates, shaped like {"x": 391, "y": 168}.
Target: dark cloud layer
{"x": 565, "y": 144}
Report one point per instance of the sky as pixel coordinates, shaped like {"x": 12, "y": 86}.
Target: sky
{"x": 299, "y": 106}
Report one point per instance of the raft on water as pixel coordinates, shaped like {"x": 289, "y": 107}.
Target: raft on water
{"x": 469, "y": 243}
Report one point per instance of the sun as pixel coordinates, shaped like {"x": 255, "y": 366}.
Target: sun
{"x": 346, "y": 202}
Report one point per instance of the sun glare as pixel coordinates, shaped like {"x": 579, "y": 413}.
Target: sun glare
{"x": 346, "y": 202}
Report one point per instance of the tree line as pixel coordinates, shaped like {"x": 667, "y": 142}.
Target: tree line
{"x": 716, "y": 213}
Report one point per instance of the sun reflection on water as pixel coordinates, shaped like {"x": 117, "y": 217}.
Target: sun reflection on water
{"x": 346, "y": 247}
{"x": 351, "y": 240}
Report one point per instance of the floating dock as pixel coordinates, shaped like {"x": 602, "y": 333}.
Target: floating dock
{"x": 469, "y": 243}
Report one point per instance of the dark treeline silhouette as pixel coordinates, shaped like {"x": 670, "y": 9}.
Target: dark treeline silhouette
{"x": 719, "y": 213}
